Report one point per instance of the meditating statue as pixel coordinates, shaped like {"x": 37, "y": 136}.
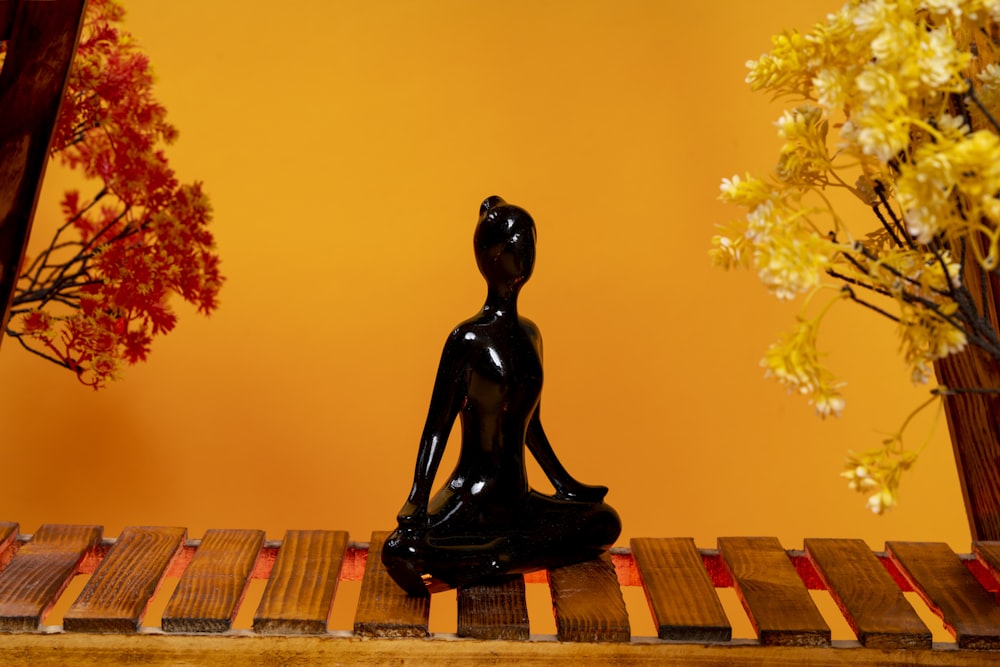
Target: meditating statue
{"x": 486, "y": 523}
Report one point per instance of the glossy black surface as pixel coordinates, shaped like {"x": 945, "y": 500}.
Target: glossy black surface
{"x": 486, "y": 522}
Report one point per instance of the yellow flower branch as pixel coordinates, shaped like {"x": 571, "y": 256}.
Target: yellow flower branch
{"x": 912, "y": 90}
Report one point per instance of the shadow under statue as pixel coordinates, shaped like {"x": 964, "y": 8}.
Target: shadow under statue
{"x": 486, "y": 523}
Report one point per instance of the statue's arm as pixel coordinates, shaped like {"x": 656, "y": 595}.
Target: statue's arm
{"x": 566, "y": 485}
{"x": 446, "y": 401}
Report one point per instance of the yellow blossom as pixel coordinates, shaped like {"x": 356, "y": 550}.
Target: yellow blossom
{"x": 727, "y": 251}
{"x": 927, "y": 336}
{"x": 789, "y": 256}
{"x": 783, "y": 66}
{"x": 804, "y": 157}
{"x": 747, "y": 191}
{"x": 927, "y": 185}
{"x": 877, "y": 472}
{"x": 794, "y": 361}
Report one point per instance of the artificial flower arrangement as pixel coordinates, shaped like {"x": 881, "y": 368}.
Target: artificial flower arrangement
{"x": 897, "y": 103}
{"x": 96, "y": 296}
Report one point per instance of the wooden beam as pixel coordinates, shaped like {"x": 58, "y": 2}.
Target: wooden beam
{"x": 40, "y": 50}
{"x": 6, "y": 18}
{"x": 152, "y": 648}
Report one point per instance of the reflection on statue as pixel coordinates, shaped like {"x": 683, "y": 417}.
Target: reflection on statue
{"x": 486, "y": 522}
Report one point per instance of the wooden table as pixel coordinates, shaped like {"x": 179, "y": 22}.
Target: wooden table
{"x": 199, "y": 586}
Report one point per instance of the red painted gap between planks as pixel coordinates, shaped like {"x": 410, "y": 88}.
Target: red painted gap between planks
{"x": 625, "y": 567}
{"x": 9, "y": 544}
{"x": 628, "y": 574}
{"x": 355, "y": 560}
{"x": 265, "y": 560}
{"x": 982, "y": 575}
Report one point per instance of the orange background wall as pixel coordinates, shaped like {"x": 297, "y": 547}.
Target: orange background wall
{"x": 346, "y": 146}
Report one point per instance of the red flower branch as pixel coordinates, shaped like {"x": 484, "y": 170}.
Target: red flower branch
{"x": 98, "y": 294}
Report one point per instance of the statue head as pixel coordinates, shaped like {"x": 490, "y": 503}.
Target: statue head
{"x": 504, "y": 243}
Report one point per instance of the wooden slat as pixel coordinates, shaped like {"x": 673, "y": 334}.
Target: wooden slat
{"x": 384, "y": 609}
{"x": 951, "y": 591}
{"x": 866, "y": 593}
{"x": 299, "y": 593}
{"x": 118, "y": 593}
{"x": 209, "y": 592}
{"x": 42, "y": 568}
{"x": 988, "y": 554}
{"x": 8, "y": 536}
{"x": 43, "y": 38}
{"x": 777, "y": 602}
{"x": 497, "y": 611}
{"x": 588, "y": 603}
{"x": 681, "y": 595}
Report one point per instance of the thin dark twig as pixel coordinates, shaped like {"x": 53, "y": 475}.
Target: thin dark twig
{"x": 854, "y": 297}
{"x": 833, "y": 273}
{"x": 55, "y": 360}
{"x": 55, "y": 238}
{"x": 883, "y": 197}
{"x": 86, "y": 253}
{"x": 985, "y": 340}
{"x": 885, "y": 225}
{"x": 939, "y": 256}
{"x": 860, "y": 247}
{"x": 971, "y": 94}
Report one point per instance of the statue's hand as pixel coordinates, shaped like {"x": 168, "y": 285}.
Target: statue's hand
{"x": 586, "y": 493}
{"x": 412, "y": 516}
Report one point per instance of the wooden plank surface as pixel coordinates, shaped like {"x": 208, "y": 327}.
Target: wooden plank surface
{"x": 384, "y": 609}
{"x": 779, "y": 605}
{"x": 209, "y": 592}
{"x": 588, "y": 603}
{"x": 951, "y": 591}
{"x": 866, "y": 593}
{"x": 43, "y": 38}
{"x": 299, "y": 593}
{"x": 118, "y": 593}
{"x": 680, "y": 593}
{"x": 39, "y": 572}
{"x": 495, "y": 611}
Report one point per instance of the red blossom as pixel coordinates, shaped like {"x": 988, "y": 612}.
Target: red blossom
{"x": 98, "y": 299}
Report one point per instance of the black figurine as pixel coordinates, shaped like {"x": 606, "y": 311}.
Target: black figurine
{"x": 487, "y": 523}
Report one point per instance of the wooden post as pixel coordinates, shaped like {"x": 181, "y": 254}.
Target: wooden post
{"x": 974, "y": 423}
{"x": 974, "y": 419}
{"x": 42, "y": 42}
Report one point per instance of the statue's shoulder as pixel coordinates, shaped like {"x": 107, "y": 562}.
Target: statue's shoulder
{"x": 468, "y": 332}
{"x": 530, "y": 328}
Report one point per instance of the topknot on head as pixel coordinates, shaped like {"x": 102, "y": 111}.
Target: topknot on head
{"x": 490, "y": 203}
